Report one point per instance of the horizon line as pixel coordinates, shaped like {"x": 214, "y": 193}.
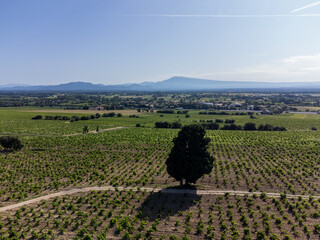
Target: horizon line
{"x": 181, "y": 76}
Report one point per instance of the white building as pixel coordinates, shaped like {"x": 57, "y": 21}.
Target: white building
{"x": 207, "y": 103}
{"x": 250, "y": 107}
{"x": 234, "y": 105}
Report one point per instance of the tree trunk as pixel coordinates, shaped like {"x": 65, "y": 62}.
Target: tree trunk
{"x": 187, "y": 183}
{"x": 181, "y": 182}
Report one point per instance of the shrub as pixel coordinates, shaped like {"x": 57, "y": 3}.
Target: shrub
{"x": 10, "y": 143}
{"x": 166, "y": 111}
{"x": 162, "y": 125}
{"x": 279, "y": 129}
{"x": 173, "y": 237}
{"x": 317, "y": 229}
{"x": 211, "y": 126}
{"x": 57, "y": 117}
{"x": 261, "y": 235}
{"x": 266, "y": 127}
{"x": 112, "y": 114}
{"x": 176, "y": 125}
{"x": 269, "y": 127}
{"x": 315, "y": 215}
{"x": 85, "y": 129}
{"x": 249, "y": 127}
{"x": 229, "y": 121}
{"x": 182, "y": 112}
{"x": 287, "y": 237}
{"x": 38, "y": 117}
{"x": 75, "y": 118}
{"x": 274, "y": 237}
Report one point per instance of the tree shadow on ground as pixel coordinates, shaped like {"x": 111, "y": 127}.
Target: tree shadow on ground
{"x": 168, "y": 202}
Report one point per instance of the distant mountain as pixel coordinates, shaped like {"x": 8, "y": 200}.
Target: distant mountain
{"x": 172, "y": 84}
{"x": 13, "y": 85}
{"x": 184, "y": 83}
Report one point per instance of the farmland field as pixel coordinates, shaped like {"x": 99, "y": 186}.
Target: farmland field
{"x": 285, "y": 162}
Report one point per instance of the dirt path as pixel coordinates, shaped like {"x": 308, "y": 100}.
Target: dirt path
{"x": 101, "y": 130}
{"x": 173, "y": 191}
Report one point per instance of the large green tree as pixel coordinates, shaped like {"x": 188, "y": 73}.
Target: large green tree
{"x": 189, "y": 158}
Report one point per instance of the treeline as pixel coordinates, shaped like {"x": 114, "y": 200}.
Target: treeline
{"x": 112, "y": 114}
{"x": 173, "y": 112}
{"x": 76, "y": 118}
{"x": 84, "y": 118}
{"x": 39, "y": 117}
{"x": 232, "y": 126}
{"x": 253, "y": 127}
{"x": 174, "y": 125}
{"x": 268, "y": 127}
{"x": 227, "y": 113}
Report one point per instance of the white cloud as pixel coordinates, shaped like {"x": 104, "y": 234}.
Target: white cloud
{"x": 291, "y": 69}
{"x": 305, "y": 7}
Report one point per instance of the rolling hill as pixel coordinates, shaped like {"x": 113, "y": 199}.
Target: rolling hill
{"x": 172, "y": 84}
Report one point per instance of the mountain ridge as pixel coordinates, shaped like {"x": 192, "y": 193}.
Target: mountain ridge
{"x": 177, "y": 83}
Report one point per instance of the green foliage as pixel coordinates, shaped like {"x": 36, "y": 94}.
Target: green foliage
{"x": 11, "y": 143}
{"x": 38, "y": 117}
{"x": 174, "y": 125}
{"x": 189, "y": 158}
{"x": 250, "y": 127}
{"x": 261, "y": 235}
{"x": 85, "y": 129}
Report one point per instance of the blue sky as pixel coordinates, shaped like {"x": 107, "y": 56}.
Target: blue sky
{"x": 123, "y": 41}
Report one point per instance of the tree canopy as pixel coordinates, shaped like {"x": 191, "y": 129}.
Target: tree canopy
{"x": 10, "y": 143}
{"x": 189, "y": 158}
{"x": 85, "y": 129}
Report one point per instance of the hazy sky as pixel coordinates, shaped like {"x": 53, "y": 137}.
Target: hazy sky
{"x": 122, "y": 41}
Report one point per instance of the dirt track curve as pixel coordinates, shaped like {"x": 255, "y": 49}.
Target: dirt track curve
{"x": 167, "y": 190}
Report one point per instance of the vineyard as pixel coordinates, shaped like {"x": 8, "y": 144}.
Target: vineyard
{"x": 272, "y": 162}
{"x": 138, "y": 215}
